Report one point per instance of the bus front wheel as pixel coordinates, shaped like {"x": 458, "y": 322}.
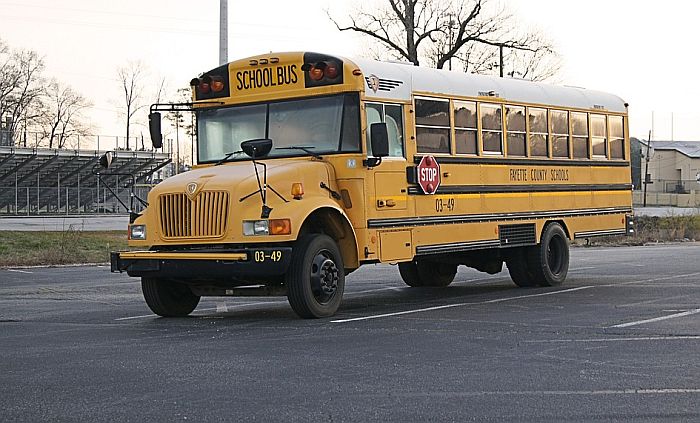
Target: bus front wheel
{"x": 548, "y": 262}
{"x": 316, "y": 278}
{"x": 417, "y": 273}
{"x": 168, "y": 298}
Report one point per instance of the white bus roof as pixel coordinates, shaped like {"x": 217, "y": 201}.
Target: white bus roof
{"x": 397, "y": 81}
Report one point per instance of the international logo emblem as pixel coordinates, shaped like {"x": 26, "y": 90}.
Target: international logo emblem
{"x": 191, "y": 190}
{"x": 373, "y": 82}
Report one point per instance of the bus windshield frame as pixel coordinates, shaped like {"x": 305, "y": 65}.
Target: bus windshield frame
{"x": 321, "y": 125}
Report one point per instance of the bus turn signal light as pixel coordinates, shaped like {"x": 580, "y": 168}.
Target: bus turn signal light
{"x": 297, "y": 190}
{"x": 280, "y": 226}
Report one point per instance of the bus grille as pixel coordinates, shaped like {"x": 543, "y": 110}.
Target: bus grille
{"x": 204, "y": 217}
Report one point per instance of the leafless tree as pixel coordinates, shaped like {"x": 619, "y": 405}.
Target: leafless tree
{"x": 62, "y": 117}
{"x": 131, "y": 78}
{"x": 437, "y": 31}
{"x": 20, "y": 86}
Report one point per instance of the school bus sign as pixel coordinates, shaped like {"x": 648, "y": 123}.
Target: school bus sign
{"x": 428, "y": 174}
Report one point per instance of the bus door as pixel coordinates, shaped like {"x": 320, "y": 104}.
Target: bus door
{"x": 390, "y": 185}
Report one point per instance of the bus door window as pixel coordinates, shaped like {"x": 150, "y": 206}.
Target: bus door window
{"x": 391, "y": 114}
{"x": 560, "y": 133}
{"x": 465, "y": 127}
{"x": 599, "y": 136}
{"x": 432, "y": 126}
{"x": 537, "y": 119}
{"x": 515, "y": 127}
{"x": 579, "y": 129}
{"x": 617, "y": 138}
{"x": 491, "y": 128}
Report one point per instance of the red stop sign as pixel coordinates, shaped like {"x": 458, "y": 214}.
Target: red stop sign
{"x": 428, "y": 174}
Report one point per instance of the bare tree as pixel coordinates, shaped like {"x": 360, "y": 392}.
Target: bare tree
{"x": 438, "y": 31}
{"x": 20, "y": 86}
{"x": 62, "y": 117}
{"x": 131, "y": 79}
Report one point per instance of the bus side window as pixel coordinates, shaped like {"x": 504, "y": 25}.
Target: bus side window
{"x": 391, "y": 115}
{"x": 375, "y": 114}
{"x": 394, "y": 126}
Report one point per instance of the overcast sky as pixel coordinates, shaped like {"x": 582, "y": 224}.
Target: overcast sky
{"x": 643, "y": 51}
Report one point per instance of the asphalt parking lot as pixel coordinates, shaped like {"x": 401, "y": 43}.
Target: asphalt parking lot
{"x": 619, "y": 341}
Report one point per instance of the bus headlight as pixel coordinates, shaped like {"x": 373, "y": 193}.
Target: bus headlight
{"x": 137, "y": 232}
{"x": 267, "y": 227}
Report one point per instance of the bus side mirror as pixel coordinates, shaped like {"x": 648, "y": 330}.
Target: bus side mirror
{"x": 106, "y": 160}
{"x": 154, "y": 128}
{"x": 379, "y": 142}
{"x": 379, "y": 139}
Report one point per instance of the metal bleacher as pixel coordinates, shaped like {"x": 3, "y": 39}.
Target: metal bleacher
{"x": 38, "y": 181}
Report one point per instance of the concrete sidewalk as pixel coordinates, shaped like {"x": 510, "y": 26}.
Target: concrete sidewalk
{"x": 64, "y": 223}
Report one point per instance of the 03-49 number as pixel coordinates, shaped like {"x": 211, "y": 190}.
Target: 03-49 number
{"x": 260, "y": 256}
{"x": 444, "y": 204}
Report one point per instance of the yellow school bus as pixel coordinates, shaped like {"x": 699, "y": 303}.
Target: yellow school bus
{"x": 310, "y": 165}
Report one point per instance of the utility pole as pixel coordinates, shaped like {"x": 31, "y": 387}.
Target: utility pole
{"x": 500, "y": 52}
{"x": 223, "y": 31}
{"x": 646, "y": 170}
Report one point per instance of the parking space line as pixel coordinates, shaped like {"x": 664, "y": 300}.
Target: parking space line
{"x": 663, "y": 391}
{"x": 657, "y": 319}
{"x": 422, "y": 310}
{"x": 636, "y": 339}
{"x": 19, "y": 271}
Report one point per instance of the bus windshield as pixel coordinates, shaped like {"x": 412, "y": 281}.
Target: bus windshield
{"x": 321, "y": 125}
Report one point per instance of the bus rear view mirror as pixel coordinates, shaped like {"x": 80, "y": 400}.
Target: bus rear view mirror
{"x": 154, "y": 128}
{"x": 106, "y": 160}
{"x": 257, "y": 148}
{"x": 379, "y": 139}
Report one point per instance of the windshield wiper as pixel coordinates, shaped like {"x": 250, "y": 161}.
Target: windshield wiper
{"x": 228, "y": 156}
{"x": 304, "y": 148}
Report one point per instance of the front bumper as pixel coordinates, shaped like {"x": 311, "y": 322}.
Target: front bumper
{"x": 240, "y": 264}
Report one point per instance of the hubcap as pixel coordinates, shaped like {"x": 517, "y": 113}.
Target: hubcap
{"x": 324, "y": 277}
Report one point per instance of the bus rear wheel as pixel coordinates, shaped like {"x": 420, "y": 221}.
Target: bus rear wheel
{"x": 168, "y": 298}
{"x": 421, "y": 272}
{"x": 548, "y": 262}
{"x": 316, "y": 278}
{"x": 517, "y": 264}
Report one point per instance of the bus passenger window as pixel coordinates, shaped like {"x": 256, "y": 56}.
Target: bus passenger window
{"x": 391, "y": 115}
{"x": 515, "y": 126}
{"x": 538, "y": 132}
{"x": 579, "y": 129}
{"x": 598, "y": 135}
{"x": 491, "y": 128}
{"x": 617, "y": 138}
{"x": 432, "y": 126}
{"x": 465, "y": 127}
{"x": 560, "y": 133}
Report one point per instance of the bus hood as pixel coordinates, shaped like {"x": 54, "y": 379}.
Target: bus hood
{"x": 238, "y": 179}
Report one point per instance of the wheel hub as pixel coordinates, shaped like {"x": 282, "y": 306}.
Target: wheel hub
{"x": 324, "y": 278}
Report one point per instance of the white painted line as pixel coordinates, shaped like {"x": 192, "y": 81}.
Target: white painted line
{"x": 687, "y": 275}
{"x": 422, "y": 310}
{"x": 143, "y": 316}
{"x": 636, "y": 339}
{"x": 18, "y": 271}
{"x": 392, "y": 288}
{"x": 663, "y": 391}
{"x": 657, "y": 319}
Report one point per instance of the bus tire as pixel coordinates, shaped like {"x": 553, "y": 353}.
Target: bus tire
{"x": 518, "y": 268}
{"x": 424, "y": 273}
{"x": 548, "y": 261}
{"x": 168, "y": 298}
{"x": 316, "y": 277}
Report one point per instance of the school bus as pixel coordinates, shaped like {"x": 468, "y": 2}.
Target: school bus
{"x": 311, "y": 165}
